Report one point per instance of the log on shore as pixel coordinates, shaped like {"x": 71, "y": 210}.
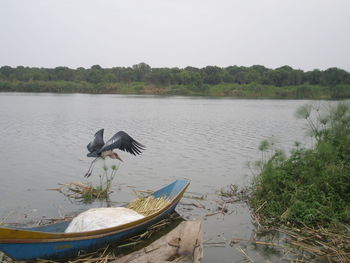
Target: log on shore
{"x": 182, "y": 243}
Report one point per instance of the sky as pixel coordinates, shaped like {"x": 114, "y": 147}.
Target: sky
{"x": 304, "y": 34}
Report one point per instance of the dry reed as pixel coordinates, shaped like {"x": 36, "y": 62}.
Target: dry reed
{"x": 148, "y": 205}
{"x": 82, "y": 191}
{"x": 321, "y": 244}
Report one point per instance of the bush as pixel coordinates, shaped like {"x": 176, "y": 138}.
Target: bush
{"x": 312, "y": 186}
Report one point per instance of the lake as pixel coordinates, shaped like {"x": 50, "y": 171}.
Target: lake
{"x": 43, "y": 140}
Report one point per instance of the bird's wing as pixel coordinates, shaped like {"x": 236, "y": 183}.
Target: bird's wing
{"x": 96, "y": 144}
{"x": 124, "y": 142}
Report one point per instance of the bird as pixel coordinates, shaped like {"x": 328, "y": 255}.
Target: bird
{"x": 121, "y": 140}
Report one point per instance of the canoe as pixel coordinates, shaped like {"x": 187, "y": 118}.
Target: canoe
{"x": 50, "y": 241}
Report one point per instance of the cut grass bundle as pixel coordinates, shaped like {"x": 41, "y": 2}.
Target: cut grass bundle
{"x": 148, "y": 205}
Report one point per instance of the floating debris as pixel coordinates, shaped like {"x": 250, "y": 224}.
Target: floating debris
{"x": 195, "y": 196}
{"x": 198, "y": 204}
{"x": 231, "y": 194}
{"x": 83, "y": 192}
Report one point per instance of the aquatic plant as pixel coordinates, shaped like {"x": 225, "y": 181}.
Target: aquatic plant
{"x": 88, "y": 192}
{"x": 103, "y": 189}
{"x": 311, "y": 186}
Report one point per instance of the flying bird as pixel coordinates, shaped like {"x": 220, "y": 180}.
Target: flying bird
{"x": 121, "y": 140}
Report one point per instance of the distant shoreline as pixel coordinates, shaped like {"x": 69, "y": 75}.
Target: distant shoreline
{"x": 244, "y": 91}
{"x": 253, "y": 82}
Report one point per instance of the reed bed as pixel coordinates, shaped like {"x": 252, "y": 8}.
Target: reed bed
{"x": 320, "y": 244}
{"x": 304, "y": 244}
{"x": 148, "y": 205}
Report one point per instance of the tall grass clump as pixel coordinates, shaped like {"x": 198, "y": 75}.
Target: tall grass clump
{"x": 89, "y": 192}
{"x": 103, "y": 189}
{"x": 311, "y": 186}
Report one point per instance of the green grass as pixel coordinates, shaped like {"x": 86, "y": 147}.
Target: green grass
{"x": 311, "y": 186}
{"x": 251, "y": 90}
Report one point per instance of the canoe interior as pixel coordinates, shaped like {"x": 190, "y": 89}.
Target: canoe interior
{"x": 170, "y": 191}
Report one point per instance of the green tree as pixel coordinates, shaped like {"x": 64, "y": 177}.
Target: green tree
{"x": 277, "y": 77}
{"x": 94, "y": 74}
{"x": 6, "y": 72}
{"x": 335, "y": 76}
{"x": 313, "y": 77}
{"x": 141, "y": 71}
{"x": 212, "y": 75}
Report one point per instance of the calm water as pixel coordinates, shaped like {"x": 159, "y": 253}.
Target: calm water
{"x": 43, "y": 140}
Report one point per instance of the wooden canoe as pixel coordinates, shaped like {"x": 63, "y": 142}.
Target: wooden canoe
{"x": 50, "y": 241}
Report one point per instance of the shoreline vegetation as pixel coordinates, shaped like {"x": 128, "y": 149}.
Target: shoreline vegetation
{"x": 307, "y": 194}
{"x": 234, "y": 81}
{"x": 309, "y": 186}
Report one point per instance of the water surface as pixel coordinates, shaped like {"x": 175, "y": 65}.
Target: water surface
{"x": 43, "y": 140}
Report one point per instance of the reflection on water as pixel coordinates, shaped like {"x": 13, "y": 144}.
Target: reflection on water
{"x": 209, "y": 141}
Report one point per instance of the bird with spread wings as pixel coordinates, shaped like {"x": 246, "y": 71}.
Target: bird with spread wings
{"x": 121, "y": 140}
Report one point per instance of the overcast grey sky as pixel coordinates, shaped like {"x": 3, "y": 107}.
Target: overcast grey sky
{"x": 305, "y": 34}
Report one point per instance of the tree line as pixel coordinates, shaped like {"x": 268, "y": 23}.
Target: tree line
{"x": 195, "y": 80}
{"x": 282, "y": 76}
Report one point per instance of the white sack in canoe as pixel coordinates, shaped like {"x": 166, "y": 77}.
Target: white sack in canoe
{"x": 99, "y": 218}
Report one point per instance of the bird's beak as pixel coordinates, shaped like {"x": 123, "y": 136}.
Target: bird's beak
{"x": 118, "y": 157}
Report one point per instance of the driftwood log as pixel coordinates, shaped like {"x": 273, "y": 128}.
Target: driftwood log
{"x": 182, "y": 243}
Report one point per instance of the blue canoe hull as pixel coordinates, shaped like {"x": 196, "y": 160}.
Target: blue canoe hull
{"x": 28, "y": 244}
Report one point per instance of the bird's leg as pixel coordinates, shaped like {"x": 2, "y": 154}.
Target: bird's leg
{"x": 90, "y": 168}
